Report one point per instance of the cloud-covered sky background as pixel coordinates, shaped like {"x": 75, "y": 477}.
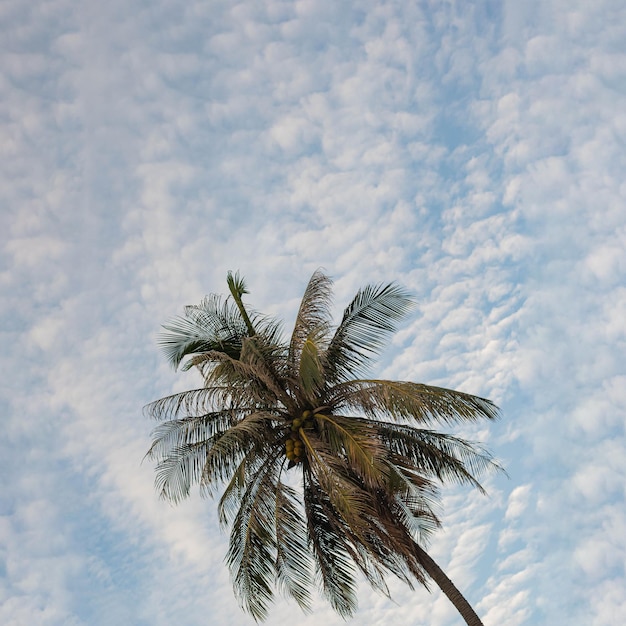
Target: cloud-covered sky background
{"x": 474, "y": 151}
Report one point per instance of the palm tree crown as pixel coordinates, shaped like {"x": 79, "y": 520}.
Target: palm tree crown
{"x": 325, "y": 472}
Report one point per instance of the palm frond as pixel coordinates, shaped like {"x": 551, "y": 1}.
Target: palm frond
{"x": 229, "y": 503}
{"x": 411, "y": 401}
{"x": 347, "y": 497}
{"x": 192, "y": 402}
{"x": 420, "y": 522}
{"x": 293, "y": 561}
{"x": 252, "y": 549}
{"x": 253, "y": 433}
{"x": 417, "y": 516}
{"x": 349, "y": 506}
{"x": 418, "y": 495}
{"x": 333, "y": 563}
{"x": 173, "y": 434}
{"x": 248, "y": 378}
{"x": 367, "y": 322}
{"x": 266, "y": 361}
{"x": 211, "y": 325}
{"x": 393, "y": 545}
{"x": 243, "y": 475}
{"x": 180, "y": 469}
{"x": 373, "y": 571}
{"x": 356, "y": 441}
{"x": 311, "y": 371}
{"x": 444, "y": 456}
{"x": 313, "y": 319}
{"x": 379, "y": 550}
{"x": 382, "y": 540}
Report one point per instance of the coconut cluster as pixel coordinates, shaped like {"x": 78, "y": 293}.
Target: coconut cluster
{"x": 294, "y": 446}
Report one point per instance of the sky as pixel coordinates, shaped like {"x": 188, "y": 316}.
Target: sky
{"x": 474, "y": 151}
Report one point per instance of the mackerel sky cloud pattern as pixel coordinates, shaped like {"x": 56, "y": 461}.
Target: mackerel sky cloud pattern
{"x": 471, "y": 151}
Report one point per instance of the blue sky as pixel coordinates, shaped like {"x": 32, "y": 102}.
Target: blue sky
{"x": 473, "y": 151}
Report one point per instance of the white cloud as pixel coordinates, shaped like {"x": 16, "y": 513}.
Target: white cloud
{"x": 472, "y": 152}
{"x": 518, "y": 501}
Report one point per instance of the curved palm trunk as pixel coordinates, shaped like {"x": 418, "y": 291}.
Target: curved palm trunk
{"x": 448, "y": 587}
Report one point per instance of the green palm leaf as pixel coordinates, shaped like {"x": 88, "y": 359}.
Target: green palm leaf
{"x": 192, "y": 402}
{"x": 412, "y": 401}
{"x": 294, "y": 565}
{"x": 367, "y": 322}
{"x": 249, "y": 436}
{"x": 173, "y": 434}
{"x": 249, "y": 379}
{"x": 313, "y": 319}
{"x": 311, "y": 372}
{"x": 252, "y": 551}
{"x": 352, "y": 440}
{"x": 333, "y": 561}
{"x": 211, "y": 325}
{"x": 182, "y": 467}
{"x": 230, "y": 502}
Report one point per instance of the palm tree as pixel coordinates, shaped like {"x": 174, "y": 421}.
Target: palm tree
{"x": 325, "y": 472}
